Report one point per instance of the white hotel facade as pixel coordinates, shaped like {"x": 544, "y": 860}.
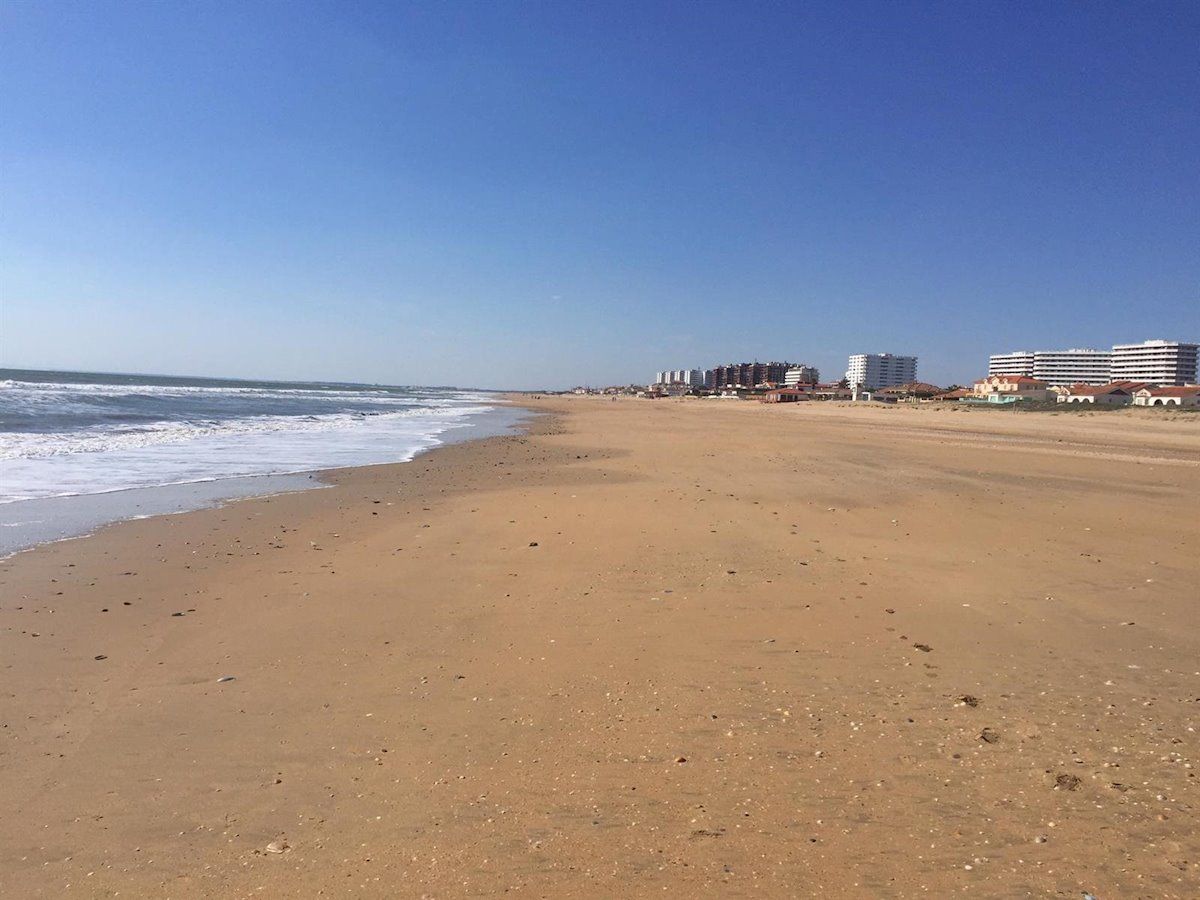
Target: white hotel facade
{"x": 876, "y": 371}
{"x": 1065, "y": 367}
{"x": 801, "y": 375}
{"x": 1019, "y": 362}
{"x": 1158, "y": 362}
{"x": 1165, "y": 363}
{"x": 1059, "y": 368}
{"x": 689, "y": 377}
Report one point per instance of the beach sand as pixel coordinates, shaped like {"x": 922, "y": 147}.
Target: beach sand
{"x": 652, "y": 648}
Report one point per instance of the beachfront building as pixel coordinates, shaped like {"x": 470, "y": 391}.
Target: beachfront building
{"x": 666, "y": 390}
{"x": 1160, "y": 362}
{"x": 1076, "y": 366}
{"x": 1172, "y": 395}
{"x": 686, "y": 377}
{"x": 801, "y": 375}
{"x": 1010, "y": 389}
{"x": 1058, "y": 368}
{"x": 880, "y": 370}
{"x": 832, "y": 391}
{"x": 913, "y": 390}
{"x": 1019, "y": 362}
{"x": 785, "y": 395}
{"x": 1097, "y": 394}
{"x": 749, "y": 375}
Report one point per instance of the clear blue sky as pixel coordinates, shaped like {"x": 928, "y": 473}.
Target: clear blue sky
{"x": 543, "y": 194}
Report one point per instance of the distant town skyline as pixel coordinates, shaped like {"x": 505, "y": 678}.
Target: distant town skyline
{"x": 537, "y": 196}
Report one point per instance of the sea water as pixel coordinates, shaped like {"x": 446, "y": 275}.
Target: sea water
{"x": 73, "y": 434}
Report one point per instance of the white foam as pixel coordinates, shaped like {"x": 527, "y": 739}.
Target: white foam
{"x": 117, "y": 457}
{"x": 99, "y": 439}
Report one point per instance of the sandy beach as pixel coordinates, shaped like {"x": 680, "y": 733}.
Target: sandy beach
{"x": 650, "y": 648}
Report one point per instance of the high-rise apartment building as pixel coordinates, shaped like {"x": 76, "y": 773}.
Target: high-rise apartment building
{"x": 1157, "y": 362}
{"x": 1056, "y": 367}
{"x": 1164, "y": 363}
{"x": 1065, "y": 367}
{"x": 801, "y": 375}
{"x": 1019, "y": 362}
{"x": 876, "y": 371}
{"x": 749, "y": 374}
{"x": 686, "y": 377}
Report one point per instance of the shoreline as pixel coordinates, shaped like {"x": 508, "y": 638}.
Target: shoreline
{"x": 642, "y": 647}
{"x": 29, "y": 523}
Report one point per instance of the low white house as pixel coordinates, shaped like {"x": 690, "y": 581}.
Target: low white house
{"x": 1097, "y": 395}
{"x": 1187, "y": 395}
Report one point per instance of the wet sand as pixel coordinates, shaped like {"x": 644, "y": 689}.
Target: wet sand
{"x": 652, "y": 648}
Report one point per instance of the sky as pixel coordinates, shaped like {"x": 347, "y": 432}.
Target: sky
{"x": 539, "y": 195}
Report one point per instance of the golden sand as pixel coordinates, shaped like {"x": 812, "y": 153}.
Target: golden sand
{"x": 653, "y": 648}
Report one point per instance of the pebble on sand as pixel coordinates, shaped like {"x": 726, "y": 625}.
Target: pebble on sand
{"x": 1067, "y": 782}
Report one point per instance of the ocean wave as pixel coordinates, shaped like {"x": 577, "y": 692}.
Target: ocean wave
{"x": 69, "y": 434}
{"x": 129, "y": 436}
{"x": 331, "y": 391}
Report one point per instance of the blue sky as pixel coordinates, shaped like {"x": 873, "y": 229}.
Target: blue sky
{"x": 544, "y": 194}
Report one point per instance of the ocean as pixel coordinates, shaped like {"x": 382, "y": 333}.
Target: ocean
{"x": 76, "y": 434}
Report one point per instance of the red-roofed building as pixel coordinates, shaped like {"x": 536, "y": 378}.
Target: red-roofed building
{"x": 1011, "y": 388}
{"x": 912, "y": 390}
{"x": 831, "y": 391}
{"x": 1101, "y": 394}
{"x": 784, "y": 395}
{"x": 1185, "y": 395}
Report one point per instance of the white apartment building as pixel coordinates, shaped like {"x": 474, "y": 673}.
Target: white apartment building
{"x": 1019, "y": 362}
{"x": 686, "y": 377}
{"x": 801, "y": 375}
{"x": 1060, "y": 368}
{"x": 1158, "y": 362}
{"x": 876, "y": 371}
